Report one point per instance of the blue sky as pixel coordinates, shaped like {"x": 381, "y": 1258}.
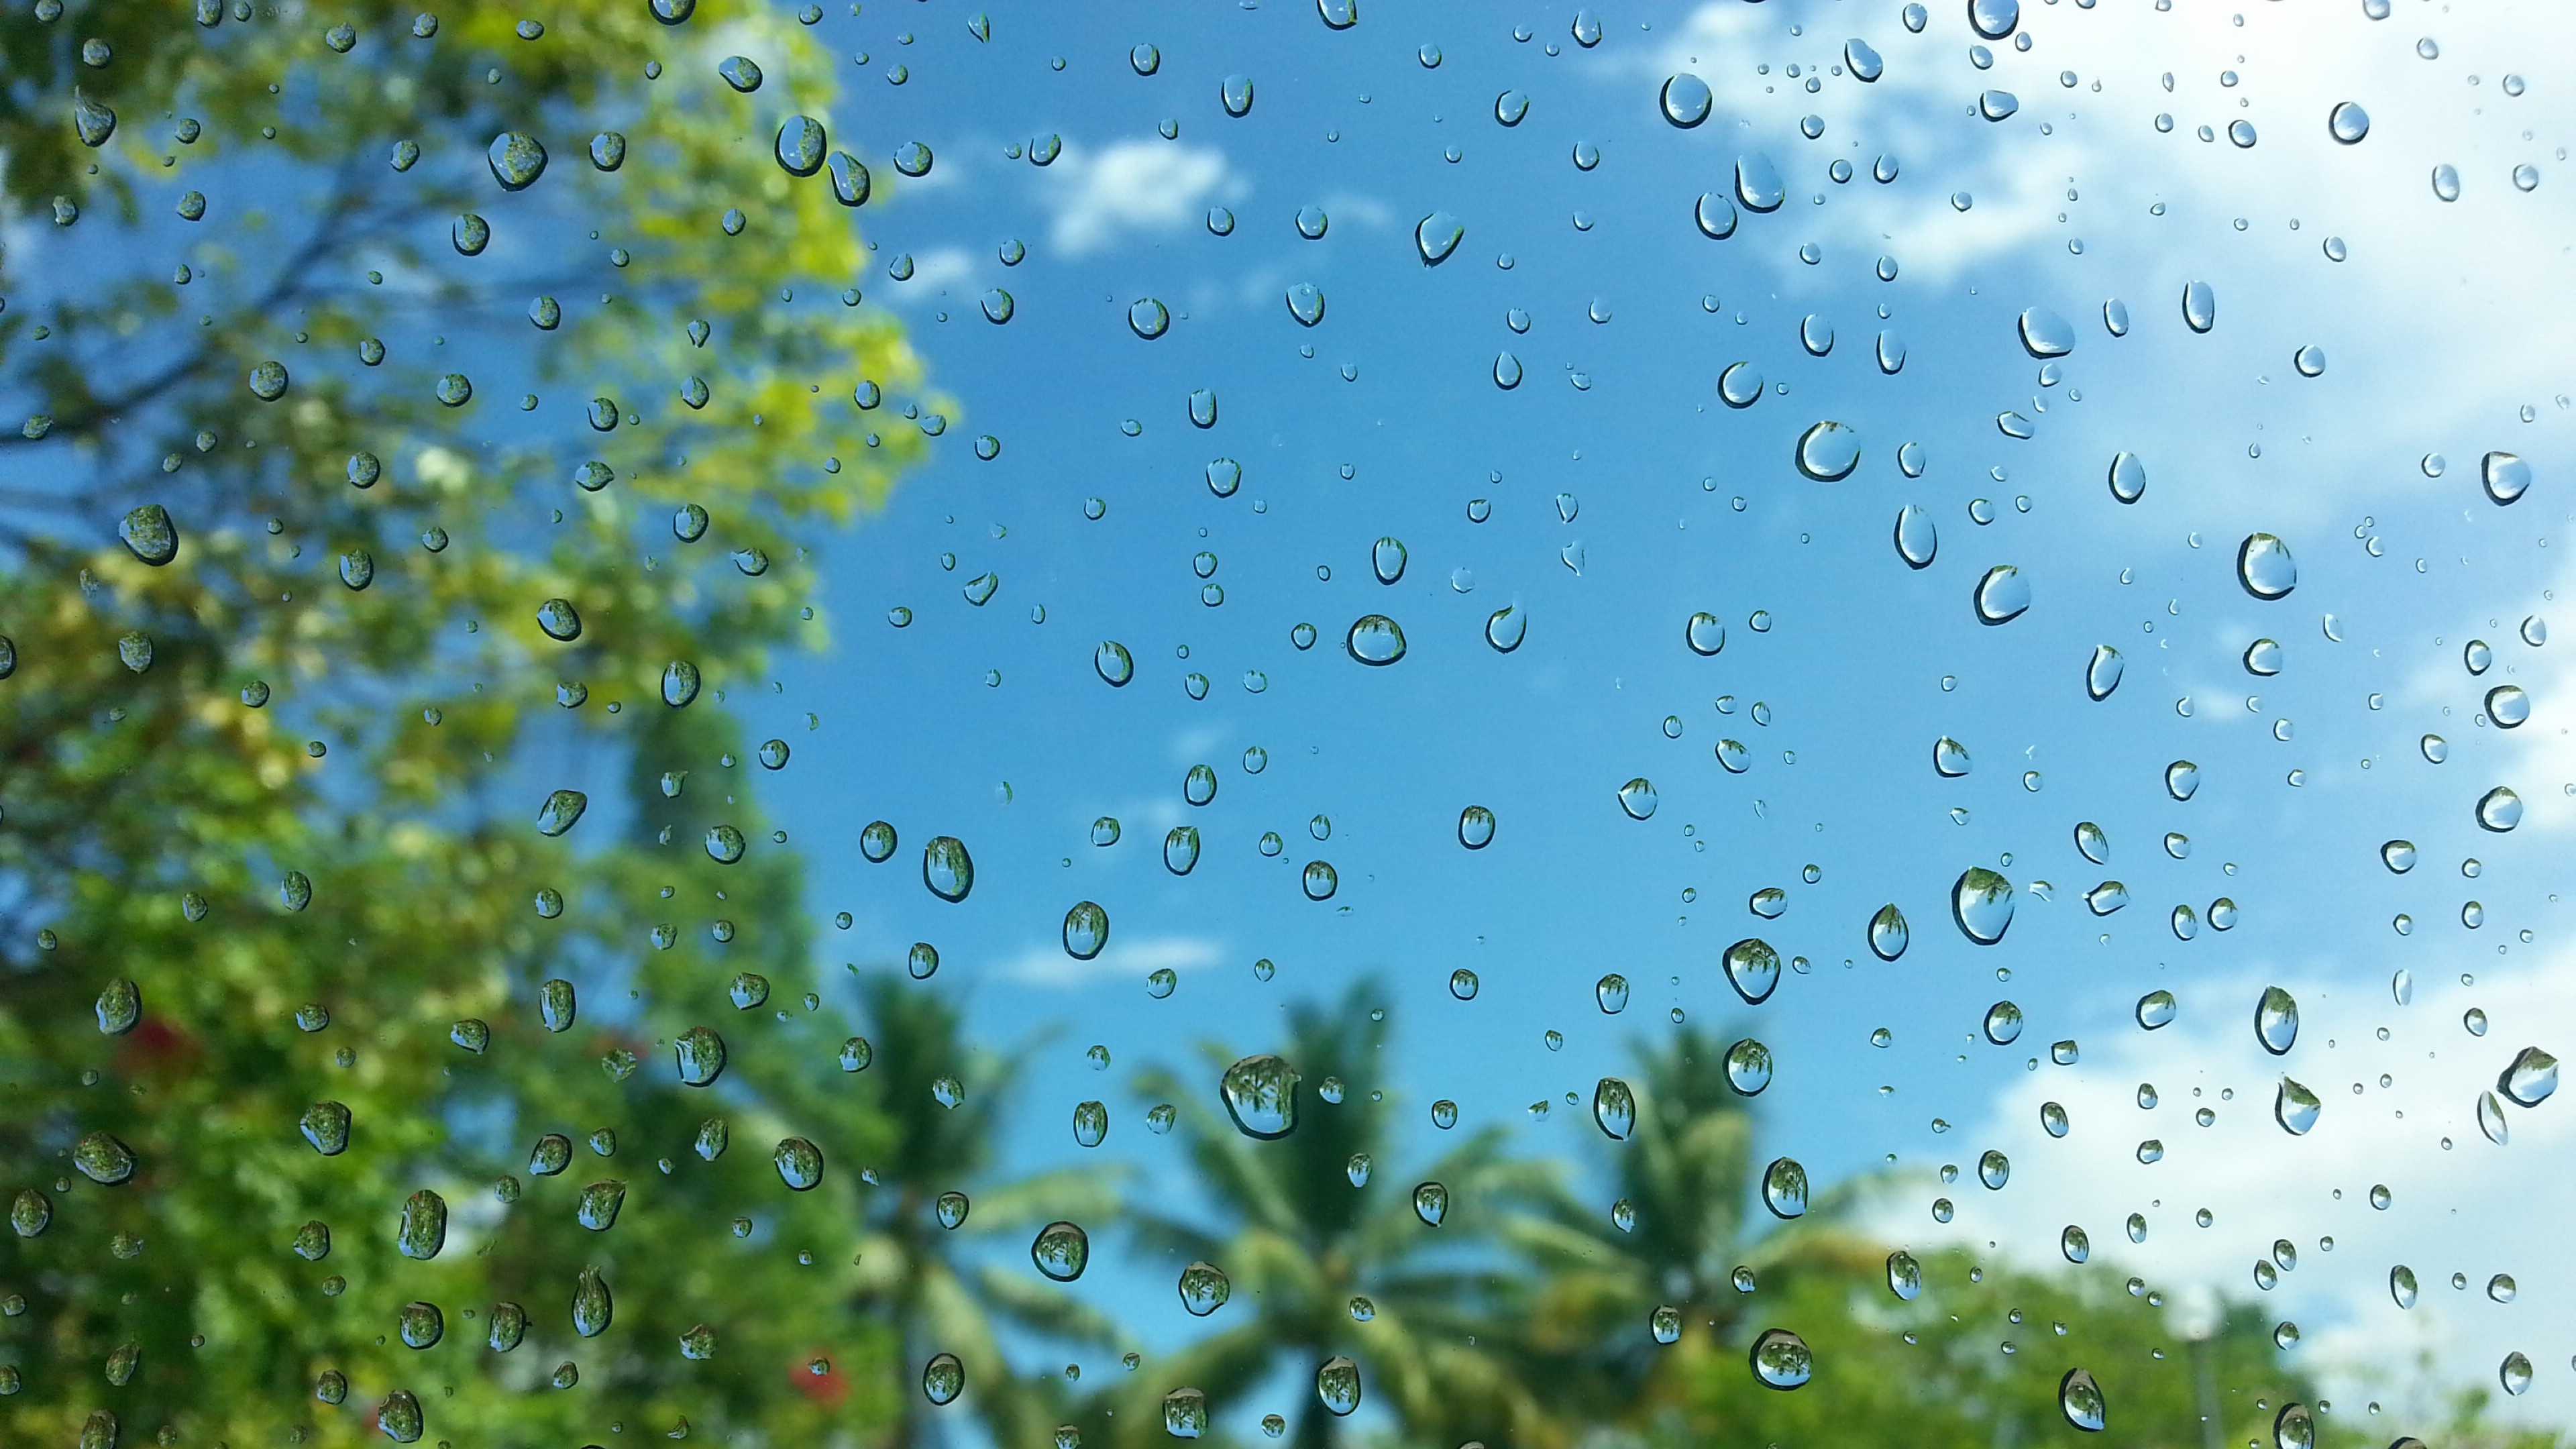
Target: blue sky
{"x": 1615, "y": 451}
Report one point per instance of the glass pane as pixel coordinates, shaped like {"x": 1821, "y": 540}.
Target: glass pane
{"x": 1756, "y": 723}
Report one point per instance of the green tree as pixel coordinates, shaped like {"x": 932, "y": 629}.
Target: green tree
{"x": 937, "y": 1108}
{"x": 285, "y": 776}
{"x": 1303, "y": 1243}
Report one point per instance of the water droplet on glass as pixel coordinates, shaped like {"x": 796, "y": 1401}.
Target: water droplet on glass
{"x": 1781, "y": 1359}
{"x": 2295, "y": 1107}
{"x": 1614, "y": 1108}
{"x": 1982, "y": 904}
{"x": 1685, "y": 100}
{"x": 1261, "y": 1096}
{"x": 1431, "y": 1203}
{"x": 1828, "y": 452}
{"x": 2499, "y": 810}
{"x": 1337, "y": 1385}
{"x": 1637, "y": 799}
{"x": 2002, "y": 595}
{"x": 947, "y": 869}
{"x": 2079, "y": 1398}
{"x": 1374, "y": 639}
{"x": 2505, "y": 476}
{"x": 799, "y": 1163}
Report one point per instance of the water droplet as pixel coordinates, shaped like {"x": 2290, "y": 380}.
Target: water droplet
{"x": 1950, "y": 758}
{"x": 1306, "y": 303}
{"x": 1436, "y": 236}
{"x": 2499, "y": 810}
{"x": 2446, "y": 182}
{"x": 1261, "y": 1096}
{"x": 2079, "y": 1398}
{"x": 1828, "y": 452}
{"x": 2530, "y": 1078}
{"x": 1864, "y": 63}
{"x": 1917, "y": 540}
{"x": 1236, "y": 93}
{"x": 1753, "y": 968}
{"x": 2505, "y": 475}
{"x": 1888, "y": 934}
{"x": 943, "y": 1378}
{"x": 1740, "y": 385}
{"x": 1997, "y": 105}
{"x": 799, "y": 1163}
{"x": 2045, "y": 334}
{"x": 422, "y": 1229}
{"x": 2295, "y": 1107}
{"x": 2002, "y": 595}
{"x": 1431, "y": 1203}
{"x": 700, "y": 1055}
{"x": 1982, "y": 904}
{"x": 1337, "y": 1379}
{"x": 1614, "y": 1108}
{"x": 1714, "y": 215}
{"x": 1637, "y": 799}
{"x": 1758, "y": 184}
{"x": 1781, "y": 1359}
{"x": 1686, "y": 100}
{"x": 946, "y": 868}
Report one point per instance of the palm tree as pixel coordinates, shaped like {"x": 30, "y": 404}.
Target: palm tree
{"x": 1675, "y": 1239}
{"x": 915, "y": 1270}
{"x": 1306, "y": 1234}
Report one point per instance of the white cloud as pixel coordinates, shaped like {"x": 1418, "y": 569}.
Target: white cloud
{"x": 1100, "y": 197}
{"x": 1127, "y": 960}
{"x": 2471, "y": 1207}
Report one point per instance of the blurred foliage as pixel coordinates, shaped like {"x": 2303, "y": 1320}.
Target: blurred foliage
{"x": 346, "y": 684}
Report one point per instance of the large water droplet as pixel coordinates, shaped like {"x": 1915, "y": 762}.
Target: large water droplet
{"x": 1061, "y": 1251}
{"x": 1888, "y": 935}
{"x": 1185, "y": 1414}
{"x": 1748, "y": 1067}
{"x": 2348, "y": 122}
{"x": 422, "y": 1229}
{"x": 517, "y": 159}
{"x": 1758, "y": 184}
{"x": 1374, "y": 639}
{"x": 2264, "y": 566}
{"x": 149, "y": 534}
{"x": 1864, "y": 63}
{"x": 2045, "y": 334}
{"x": 947, "y": 869}
{"x": 1204, "y": 1289}
{"x": 2002, "y": 595}
{"x": 1904, "y": 1275}
{"x": 800, "y": 145}
{"x": 1784, "y": 1188}
{"x": 1828, "y": 452}
{"x": 2499, "y": 810}
{"x": 2505, "y": 475}
{"x": 1086, "y": 930}
{"x": 1236, "y": 94}
{"x": 943, "y": 1378}
{"x": 597, "y": 1208}
{"x": 1917, "y": 540}
{"x": 700, "y": 1056}
{"x": 1337, "y": 1384}
{"x": 1950, "y": 758}
{"x": 1614, "y": 1108}
{"x": 799, "y": 1163}
{"x": 2103, "y": 674}
{"x": 1714, "y": 215}
{"x": 1431, "y": 1202}
{"x": 2199, "y": 306}
{"x": 1781, "y": 1359}
{"x": 1685, "y": 100}
{"x": 2295, "y": 1108}
{"x": 1261, "y": 1096}
{"x": 1753, "y": 969}
{"x": 1982, "y": 903}
{"x": 1438, "y": 235}
{"x": 2079, "y": 1398}
{"x": 1306, "y": 303}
